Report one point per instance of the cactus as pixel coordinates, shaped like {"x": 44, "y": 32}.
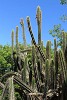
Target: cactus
{"x": 55, "y": 60}
{"x": 30, "y": 73}
{"x": 65, "y": 55}
{"x": 35, "y": 68}
{"x": 48, "y": 50}
{"x": 38, "y": 16}
{"x": 24, "y": 70}
{"x": 12, "y": 42}
{"x": 4, "y": 93}
{"x": 23, "y": 33}
{"x": 54, "y": 77}
{"x": 64, "y": 74}
{"x": 62, "y": 64}
{"x": 17, "y": 40}
{"x": 63, "y": 41}
{"x": 37, "y": 47}
{"x": 56, "y": 68}
{"x": 11, "y": 89}
{"x": 47, "y": 78}
{"x": 12, "y": 46}
{"x": 51, "y": 74}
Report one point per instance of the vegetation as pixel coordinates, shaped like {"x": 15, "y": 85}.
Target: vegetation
{"x": 63, "y": 2}
{"x": 33, "y": 72}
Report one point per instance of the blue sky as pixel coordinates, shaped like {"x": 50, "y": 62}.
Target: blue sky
{"x": 12, "y": 10}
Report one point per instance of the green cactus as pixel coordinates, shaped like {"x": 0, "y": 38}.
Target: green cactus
{"x": 47, "y": 74}
{"x": 11, "y": 89}
{"x": 12, "y": 36}
{"x": 30, "y": 72}
{"x": 24, "y": 70}
{"x": 12, "y": 42}
{"x": 38, "y": 16}
{"x": 64, "y": 74}
{"x": 17, "y": 40}
{"x": 51, "y": 74}
{"x": 62, "y": 64}
{"x": 56, "y": 68}
{"x": 23, "y": 33}
{"x": 35, "y": 68}
{"x": 63, "y": 41}
{"x": 4, "y": 93}
{"x": 48, "y": 50}
{"x": 55, "y": 63}
{"x": 34, "y": 42}
{"x": 46, "y": 78}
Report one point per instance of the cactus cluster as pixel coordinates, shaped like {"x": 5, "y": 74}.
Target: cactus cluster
{"x": 41, "y": 75}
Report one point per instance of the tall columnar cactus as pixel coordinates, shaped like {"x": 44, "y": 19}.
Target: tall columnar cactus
{"x": 17, "y": 40}
{"x": 52, "y": 74}
{"x": 40, "y": 57}
{"x": 47, "y": 74}
{"x": 34, "y": 42}
{"x": 56, "y": 68}
{"x": 30, "y": 72}
{"x": 23, "y": 33}
{"x": 66, "y": 38}
{"x": 55, "y": 53}
{"x": 24, "y": 70}
{"x": 62, "y": 65}
{"x": 4, "y": 93}
{"x": 48, "y": 50}
{"x": 12, "y": 36}
{"x": 11, "y": 89}
{"x": 64, "y": 46}
{"x": 64, "y": 74}
{"x": 63, "y": 41}
{"x": 39, "y": 18}
{"x": 55, "y": 46}
{"x": 39, "y": 68}
{"x": 12, "y": 42}
{"x": 46, "y": 78}
{"x": 35, "y": 68}
{"x": 65, "y": 55}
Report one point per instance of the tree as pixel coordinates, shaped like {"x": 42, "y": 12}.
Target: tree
{"x": 63, "y": 2}
{"x": 5, "y": 58}
{"x": 63, "y": 18}
{"x": 56, "y": 32}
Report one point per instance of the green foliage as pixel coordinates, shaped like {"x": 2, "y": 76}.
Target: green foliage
{"x": 5, "y": 58}
{"x": 63, "y": 18}
{"x": 56, "y": 32}
{"x": 63, "y": 2}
